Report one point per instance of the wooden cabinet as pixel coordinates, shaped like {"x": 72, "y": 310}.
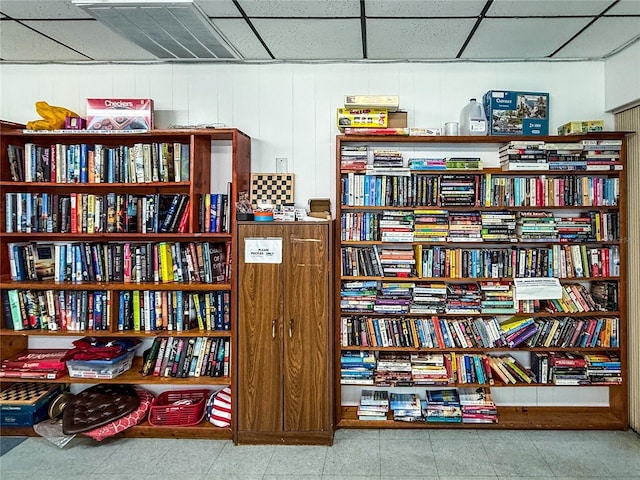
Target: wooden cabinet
{"x": 284, "y": 337}
{"x": 212, "y": 162}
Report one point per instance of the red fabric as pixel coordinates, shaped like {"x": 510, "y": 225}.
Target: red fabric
{"x": 135, "y": 417}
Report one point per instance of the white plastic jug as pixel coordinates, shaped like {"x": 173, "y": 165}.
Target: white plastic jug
{"x": 472, "y": 119}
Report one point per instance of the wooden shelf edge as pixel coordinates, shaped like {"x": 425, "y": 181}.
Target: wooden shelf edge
{"x": 534, "y": 418}
{"x": 124, "y": 333}
{"x": 203, "y": 430}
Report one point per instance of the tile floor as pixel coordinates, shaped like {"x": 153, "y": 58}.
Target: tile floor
{"x": 356, "y": 455}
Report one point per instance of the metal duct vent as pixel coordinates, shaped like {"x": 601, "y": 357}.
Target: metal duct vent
{"x": 176, "y": 29}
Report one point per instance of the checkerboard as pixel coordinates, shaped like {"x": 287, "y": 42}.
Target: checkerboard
{"x": 272, "y": 188}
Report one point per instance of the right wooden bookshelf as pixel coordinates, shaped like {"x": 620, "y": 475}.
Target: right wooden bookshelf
{"x": 484, "y": 262}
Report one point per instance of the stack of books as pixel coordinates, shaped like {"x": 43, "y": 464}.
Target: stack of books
{"x": 427, "y": 163}
{"x": 536, "y": 226}
{"x": 443, "y": 406}
{"x": 431, "y": 225}
{"x": 357, "y": 368}
{"x": 387, "y": 159}
{"x": 568, "y": 369}
{"x": 429, "y": 369}
{"x": 463, "y": 163}
{"x": 573, "y": 229}
{"x": 374, "y": 405}
{"x": 393, "y": 298}
{"x": 396, "y": 226}
{"x": 477, "y": 405}
{"x": 602, "y": 154}
{"x": 397, "y": 261}
{"x": 406, "y": 407}
{"x": 463, "y": 298}
{"x": 458, "y": 190}
{"x": 499, "y": 226}
{"x": 394, "y": 369}
{"x": 353, "y": 157}
{"x": 565, "y": 156}
{"x": 429, "y": 298}
{"x": 497, "y": 297}
{"x": 358, "y": 296}
{"x": 603, "y": 368}
{"x": 465, "y": 227}
{"x": 523, "y": 155}
{"x": 35, "y": 364}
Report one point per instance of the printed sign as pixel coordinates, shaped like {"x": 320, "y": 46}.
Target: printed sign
{"x": 263, "y": 250}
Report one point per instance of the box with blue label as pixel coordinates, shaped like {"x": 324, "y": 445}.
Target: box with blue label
{"x": 25, "y": 404}
{"x": 517, "y": 113}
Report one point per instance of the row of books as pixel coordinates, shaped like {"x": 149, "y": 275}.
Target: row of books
{"x": 392, "y": 369}
{"x": 214, "y": 213}
{"x": 565, "y": 368}
{"x": 560, "y": 261}
{"x": 187, "y": 357}
{"x": 371, "y": 296}
{"x": 84, "y": 163}
{"x": 547, "y": 191}
{"x": 127, "y": 262}
{"x": 55, "y": 310}
{"x": 594, "y": 155}
{"x": 449, "y": 226}
{"x": 479, "y": 332}
{"x": 477, "y": 190}
{"x": 467, "y": 405}
{"x": 150, "y": 310}
{"x": 90, "y": 213}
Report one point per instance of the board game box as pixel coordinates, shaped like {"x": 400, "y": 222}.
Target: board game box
{"x": 25, "y": 404}
{"x": 516, "y": 113}
{"x": 132, "y": 114}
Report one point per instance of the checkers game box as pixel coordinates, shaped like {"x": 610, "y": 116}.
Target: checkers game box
{"x": 119, "y": 114}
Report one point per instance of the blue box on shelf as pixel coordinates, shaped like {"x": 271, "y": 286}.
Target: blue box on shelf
{"x": 517, "y": 113}
{"x": 25, "y": 404}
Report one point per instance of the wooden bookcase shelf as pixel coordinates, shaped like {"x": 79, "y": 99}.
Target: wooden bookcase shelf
{"x": 219, "y": 162}
{"x": 401, "y": 198}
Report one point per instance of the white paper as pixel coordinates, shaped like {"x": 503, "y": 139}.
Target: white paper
{"x": 263, "y": 250}
{"x": 538, "y": 288}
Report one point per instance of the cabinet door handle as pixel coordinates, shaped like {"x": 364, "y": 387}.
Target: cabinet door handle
{"x": 291, "y": 328}
{"x": 273, "y": 329}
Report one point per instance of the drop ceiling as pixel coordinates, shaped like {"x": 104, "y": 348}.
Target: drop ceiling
{"x": 344, "y": 30}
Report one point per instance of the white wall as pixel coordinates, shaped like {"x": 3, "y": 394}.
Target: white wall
{"x": 622, "y": 78}
{"x": 289, "y": 109}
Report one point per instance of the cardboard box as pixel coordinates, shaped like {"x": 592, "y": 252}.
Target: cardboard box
{"x": 586, "y": 126}
{"x": 397, "y": 120}
{"x": 362, "y": 117}
{"x": 390, "y": 102}
{"x": 119, "y": 114}
{"x": 320, "y": 208}
{"x": 517, "y": 113}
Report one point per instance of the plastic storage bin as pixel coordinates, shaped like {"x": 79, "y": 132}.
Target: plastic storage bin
{"x": 101, "y": 369}
{"x": 168, "y": 409}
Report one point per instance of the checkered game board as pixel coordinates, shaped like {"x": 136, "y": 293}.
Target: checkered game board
{"x": 272, "y": 188}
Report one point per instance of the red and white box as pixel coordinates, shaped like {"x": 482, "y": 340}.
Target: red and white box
{"x": 119, "y": 114}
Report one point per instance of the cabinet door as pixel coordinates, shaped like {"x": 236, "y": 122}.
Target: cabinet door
{"x": 306, "y": 328}
{"x": 260, "y": 296}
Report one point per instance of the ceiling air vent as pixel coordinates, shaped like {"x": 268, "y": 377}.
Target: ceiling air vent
{"x": 177, "y": 29}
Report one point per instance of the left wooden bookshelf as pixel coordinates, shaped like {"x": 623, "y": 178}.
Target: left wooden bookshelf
{"x": 127, "y": 217}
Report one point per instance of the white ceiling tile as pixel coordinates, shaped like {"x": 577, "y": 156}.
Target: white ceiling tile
{"x": 602, "y": 38}
{"x": 92, "y": 39}
{"x": 301, "y": 8}
{"x": 523, "y": 8}
{"x": 219, "y": 8}
{"x": 625, "y": 7}
{"x": 238, "y": 33}
{"x": 39, "y": 9}
{"x": 416, "y": 38}
{"x": 329, "y": 39}
{"x": 18, "y": 43}
{"x": 423, "y": 8}
{"x": 521, "y": 38}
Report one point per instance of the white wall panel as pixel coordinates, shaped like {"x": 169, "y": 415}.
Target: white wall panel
{"x": 289, "y": 109}
{"x": 622, "y": 78}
